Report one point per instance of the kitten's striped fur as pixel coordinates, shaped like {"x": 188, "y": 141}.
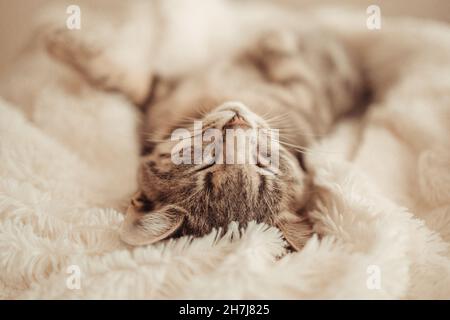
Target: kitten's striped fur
{"x": 280, "y": 82}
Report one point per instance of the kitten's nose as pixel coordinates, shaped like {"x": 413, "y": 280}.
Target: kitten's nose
{"x": 236, "y": 122}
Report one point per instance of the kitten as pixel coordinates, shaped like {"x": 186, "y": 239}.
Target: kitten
{"x": 295, "y": 81}
{"x": 308, "y": 82}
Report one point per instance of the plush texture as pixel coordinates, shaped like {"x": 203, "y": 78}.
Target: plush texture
{"x": 68, "y": 159}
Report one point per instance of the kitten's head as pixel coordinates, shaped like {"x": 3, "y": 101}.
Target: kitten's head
{"x": 193, "y": 197}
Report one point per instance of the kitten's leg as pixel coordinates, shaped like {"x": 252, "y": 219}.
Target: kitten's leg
{"x": 316, "y": 80}
{"x": 111, "y": 56}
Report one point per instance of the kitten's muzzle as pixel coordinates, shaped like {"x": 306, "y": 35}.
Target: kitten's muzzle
{"x": 237, "y": 121}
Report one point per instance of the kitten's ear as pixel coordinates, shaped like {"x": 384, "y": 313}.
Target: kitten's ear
{"x": 296, "y": 229}
{"x": 142, "y": 227}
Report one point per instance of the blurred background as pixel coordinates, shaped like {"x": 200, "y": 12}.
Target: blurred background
{"x": 16, "y": 16}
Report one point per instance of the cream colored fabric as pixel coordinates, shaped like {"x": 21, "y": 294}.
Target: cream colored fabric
{"x": 68, "y": 157}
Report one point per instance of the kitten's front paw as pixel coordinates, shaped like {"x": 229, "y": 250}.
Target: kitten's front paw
{"x": 278, "y": 55}
{"x": 280, "y": 43}
{"x": 97, "y": 63}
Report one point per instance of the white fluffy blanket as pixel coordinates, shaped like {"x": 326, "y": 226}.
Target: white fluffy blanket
{"x": 68, "y": 157}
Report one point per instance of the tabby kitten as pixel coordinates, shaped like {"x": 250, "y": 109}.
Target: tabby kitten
{"x": 296, "y": 82}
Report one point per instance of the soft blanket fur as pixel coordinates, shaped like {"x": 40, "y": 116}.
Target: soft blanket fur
{"x": 68, "y": 159}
